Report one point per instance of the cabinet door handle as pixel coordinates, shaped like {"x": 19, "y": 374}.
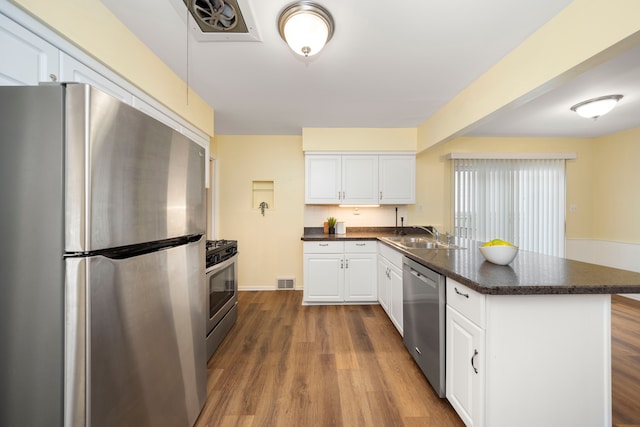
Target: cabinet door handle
{"x": 341, "y": 263}
{"x": 346, "y": 262}
{"x": 475, "y": 353}
{"x": 460, "y": 293}
{"x": 381, "y": 195}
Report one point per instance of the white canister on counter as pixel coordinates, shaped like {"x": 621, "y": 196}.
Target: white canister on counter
{"x": 341, "y": 228}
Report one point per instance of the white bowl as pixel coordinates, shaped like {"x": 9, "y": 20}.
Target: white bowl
{"x": 501, "y": 255}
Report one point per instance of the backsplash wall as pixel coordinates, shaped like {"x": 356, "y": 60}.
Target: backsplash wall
{"x": 383, "y": 216}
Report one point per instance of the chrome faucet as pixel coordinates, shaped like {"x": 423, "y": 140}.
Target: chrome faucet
{"x": 431, "y": 230}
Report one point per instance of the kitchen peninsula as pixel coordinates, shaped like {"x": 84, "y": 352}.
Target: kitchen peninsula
{"x": 529, "y": 343}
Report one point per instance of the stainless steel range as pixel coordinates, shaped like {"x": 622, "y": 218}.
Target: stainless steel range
{"x": 222, "y": 290}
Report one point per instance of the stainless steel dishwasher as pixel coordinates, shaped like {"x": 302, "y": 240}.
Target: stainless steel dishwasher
{"x": 423, "y": 305}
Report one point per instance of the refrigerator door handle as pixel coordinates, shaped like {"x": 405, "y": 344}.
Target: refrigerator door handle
{"x": 76, "y": 351}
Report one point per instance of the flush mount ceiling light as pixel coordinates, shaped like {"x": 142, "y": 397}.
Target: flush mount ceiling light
{"x": 596, "y": 107}
{"x": 306, "y": 27}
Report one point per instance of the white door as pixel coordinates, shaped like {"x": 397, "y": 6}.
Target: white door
{"x": 323, "y": 277}
{"x": 360, "y": 277}
{"x": 465, "y": 369}
{"x": 384, "y": 280}
{"x": 322, "y": 179}
{"x": 360, "y": 180}
{"x": 26, "y": 58}
{"x": 397, "y": 179}
{"x": 396, "y": 293}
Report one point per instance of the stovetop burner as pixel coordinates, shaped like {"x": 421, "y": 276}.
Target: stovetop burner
{"x": 220, "y": 250}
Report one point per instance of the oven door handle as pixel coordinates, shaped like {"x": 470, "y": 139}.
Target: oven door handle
{"x": 224, "y": 264}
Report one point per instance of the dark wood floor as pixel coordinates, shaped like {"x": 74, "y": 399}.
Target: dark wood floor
{"x": 625, "y": 361}
{"x": 284, "y": 364}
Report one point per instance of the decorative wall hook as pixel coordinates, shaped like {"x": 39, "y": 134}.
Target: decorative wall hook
{"x": 263, "y": 206}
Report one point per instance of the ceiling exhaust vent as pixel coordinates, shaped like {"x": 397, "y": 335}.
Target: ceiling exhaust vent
{"x": 222, "y": 20}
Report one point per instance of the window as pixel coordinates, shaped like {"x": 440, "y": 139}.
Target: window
{"x": 518, "y": 200}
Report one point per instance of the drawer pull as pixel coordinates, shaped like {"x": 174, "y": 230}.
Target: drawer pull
{"x": 475, "y": 353}
{"x": 323, "y": 244}
{"x": 460, "y": 293}
{"x": 361, "y": 244}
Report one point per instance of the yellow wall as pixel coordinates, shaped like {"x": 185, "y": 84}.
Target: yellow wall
{"x": 585, "y": 33}
{"x": 359, "y": 139}
{"x": 616, "y": 187}
{"x": 92, "y": 27}
{"x": 269, "y": 245}
{"x": 434, "y": 182}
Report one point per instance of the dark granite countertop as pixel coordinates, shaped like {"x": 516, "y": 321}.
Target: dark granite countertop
{"x": 529, "y": 273}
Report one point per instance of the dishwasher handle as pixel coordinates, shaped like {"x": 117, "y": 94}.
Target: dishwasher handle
{"x": 426, "y": 280}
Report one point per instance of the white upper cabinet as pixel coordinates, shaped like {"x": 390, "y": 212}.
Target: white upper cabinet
{"x": 359, "y": 179}
{"x": 26, "y": 58}
{"x": 323, "y": 182}
{"x": 397, "y": 179}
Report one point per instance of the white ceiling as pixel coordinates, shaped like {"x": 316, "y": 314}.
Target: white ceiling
{"x": 389, "y": 64}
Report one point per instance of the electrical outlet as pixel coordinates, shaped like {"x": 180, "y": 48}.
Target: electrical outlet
{"x": 573, "y": 208}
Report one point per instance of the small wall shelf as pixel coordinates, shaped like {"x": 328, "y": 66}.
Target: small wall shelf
{"x": 262, "y": 191}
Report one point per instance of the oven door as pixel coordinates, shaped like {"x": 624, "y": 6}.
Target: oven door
{"x": 222, "y": 290}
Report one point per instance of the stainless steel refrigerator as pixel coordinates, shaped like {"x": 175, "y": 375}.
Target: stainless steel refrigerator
{"x": 102, "y": 219}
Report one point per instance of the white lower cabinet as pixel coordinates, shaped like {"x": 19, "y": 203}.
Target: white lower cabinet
{"x": 390, "y": 284}
{"x": 465, "y": 370}
{"x": 528, "y": 360}
{"x": 338, "y": 272}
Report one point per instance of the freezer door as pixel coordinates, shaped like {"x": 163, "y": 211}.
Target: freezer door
{"x": 129, "y": 179}
{"x": 143, "y": 319}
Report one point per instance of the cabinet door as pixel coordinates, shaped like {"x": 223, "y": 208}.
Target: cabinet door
{"x": 322, "y": 179}
{"x": 384, "y": 289}
{"x": 72, "y": 70}
{"x": 397, "y": 179}
{"x": 395, "y": 284}
{"x": 360, "y": 180}
{"x": 27, "y": 59}
{"x": 360, "y": 277}
{"x": 323, "y": 277}
{"x": 465, "y": 368}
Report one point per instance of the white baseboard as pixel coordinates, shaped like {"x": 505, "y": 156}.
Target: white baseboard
{"x": 625, "y": 256}
{"x": 263, "y": 288}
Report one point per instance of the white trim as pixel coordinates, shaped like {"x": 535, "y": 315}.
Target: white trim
{"x": 610, "y": 253}
{"x": 513, "y": 156}
{"x": 356, "y": 153}
{"x": 27, "y": 21}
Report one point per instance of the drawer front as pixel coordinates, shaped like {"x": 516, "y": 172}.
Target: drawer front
{"x": 468, "y": 302}
{"x": 361, "y": 246}
{"x": 391, "y": 254}
{"x": 323, "y": 247}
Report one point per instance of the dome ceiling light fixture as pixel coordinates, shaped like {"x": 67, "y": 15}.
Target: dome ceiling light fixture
{"x": 306, "y": 27}
{"x": 596, "y": 107}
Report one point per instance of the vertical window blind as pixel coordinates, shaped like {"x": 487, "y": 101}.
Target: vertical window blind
{"x": 521, "y": 201}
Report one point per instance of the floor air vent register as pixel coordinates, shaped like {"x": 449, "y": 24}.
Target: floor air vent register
{"x": 286, "y": 283}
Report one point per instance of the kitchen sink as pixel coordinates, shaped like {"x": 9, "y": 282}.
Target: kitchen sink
{"x": 408, "y": 242}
